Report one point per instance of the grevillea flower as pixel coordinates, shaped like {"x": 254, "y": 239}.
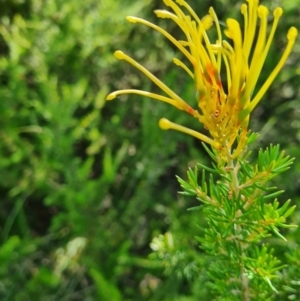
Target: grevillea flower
{"x": 223, "y": 110}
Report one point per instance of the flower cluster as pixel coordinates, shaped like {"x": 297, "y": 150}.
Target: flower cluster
{"x": 224, "y": 104}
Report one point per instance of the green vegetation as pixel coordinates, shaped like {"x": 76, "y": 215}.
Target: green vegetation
{"x": 89, "y": 202}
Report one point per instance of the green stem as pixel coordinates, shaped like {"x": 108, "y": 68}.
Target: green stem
{"x": 233, "y": 167}
{"x": 13, "y": 216}
{"x": 245, "y": 285}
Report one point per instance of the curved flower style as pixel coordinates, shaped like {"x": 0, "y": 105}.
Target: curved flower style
{"x": 224, "y": 115}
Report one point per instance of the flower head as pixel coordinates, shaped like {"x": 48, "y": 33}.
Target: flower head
{"x": 223, "y": 110}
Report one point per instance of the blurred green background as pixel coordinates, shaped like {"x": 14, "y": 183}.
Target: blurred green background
{"x": 89, "y": 202}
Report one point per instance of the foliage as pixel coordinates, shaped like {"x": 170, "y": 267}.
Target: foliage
{"x": 236, "y": 222}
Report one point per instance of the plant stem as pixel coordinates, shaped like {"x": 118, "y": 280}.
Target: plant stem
{"x": 245, "y": 286}
{"x": 233, "y": 168}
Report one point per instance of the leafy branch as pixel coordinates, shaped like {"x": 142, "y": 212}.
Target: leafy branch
{"x": 241, "y": 209}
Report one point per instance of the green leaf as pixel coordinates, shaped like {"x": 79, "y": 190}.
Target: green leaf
{"x": 196, "y": 208}
{"x": 273, "y": 195}
{"x": 106, "y": 290}
{"x": 207, "y": 168}
{"x": 211, "y": 154}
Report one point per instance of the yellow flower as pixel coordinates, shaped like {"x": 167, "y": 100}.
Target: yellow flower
{"x": 224, "y": 111}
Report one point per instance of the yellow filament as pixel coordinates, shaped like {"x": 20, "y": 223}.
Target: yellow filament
{"x": 227, "y": 71}
{"x": 251, "y": 27}
{"x": 181, "y": 22}
{"x": 163, "y": 32}
{"x": 183, "y": 66}
{"x": 202, "y": 29}
{"x": 196, "y": 51}
{"x": 292, "y": 35}
{"x": 227, "y": 52}
{"x": 215, "y": 18}
{"x": 191, "y": 34}
{"x": 244, "y": 11}
{"x": 258, "y": 59}
{"x": 171, "y": 101}
{"x": 175, "y": 8}
{"x": 234, "y": 33}
{"x": 165, "y": 124}
{"x": 207, "y": 22}
{"x": 263, "y": 13}
{"x": 180, "y": 102}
